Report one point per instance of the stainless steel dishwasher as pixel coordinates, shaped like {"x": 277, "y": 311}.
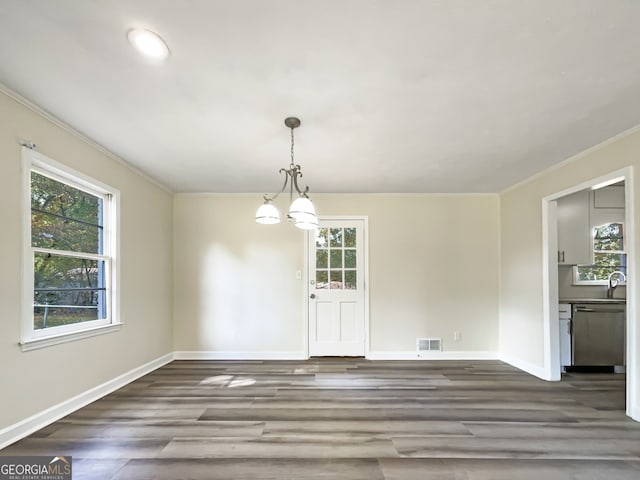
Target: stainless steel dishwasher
{"x": 598, "y": 334}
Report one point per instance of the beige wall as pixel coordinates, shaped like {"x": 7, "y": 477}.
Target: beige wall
{"x": 433, "y": 271}
{"x": 35, "y": 380}
{"x": 235, "y": 281}
{"x": 521, "y": 305}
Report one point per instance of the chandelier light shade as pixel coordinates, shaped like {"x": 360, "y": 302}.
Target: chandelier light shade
{"x": 301, "y": 211}
{"x": 267, "y": 214}
{"x": 307, "y": 221}
{"x": 301, "y": 206}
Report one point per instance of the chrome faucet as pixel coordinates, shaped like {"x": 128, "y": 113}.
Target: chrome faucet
{"x": 613, "y": 283}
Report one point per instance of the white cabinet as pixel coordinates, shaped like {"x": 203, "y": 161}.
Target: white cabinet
{"x": 564, "y": 311}
{"x": 574, "y": 235}
{"x": 609, "y": 197}
{"x": 565, "y": 334}
{"x": 607, "y": 206}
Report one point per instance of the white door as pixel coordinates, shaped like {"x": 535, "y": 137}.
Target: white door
{"x": 337, "y": 289}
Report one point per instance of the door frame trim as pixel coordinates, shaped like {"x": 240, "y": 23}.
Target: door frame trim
{"x": 305, "y": 276}
{"x": 551, "y": 368}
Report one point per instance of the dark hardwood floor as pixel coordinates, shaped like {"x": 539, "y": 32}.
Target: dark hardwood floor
{"x": 349, "y": 419}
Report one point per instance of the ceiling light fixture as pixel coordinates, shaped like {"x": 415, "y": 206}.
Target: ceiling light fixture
{"x": 148, "y": 43}
{"x": 301, "y": 211}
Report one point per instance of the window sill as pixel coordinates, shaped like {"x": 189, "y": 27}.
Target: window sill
{"x": 36, "y": 343}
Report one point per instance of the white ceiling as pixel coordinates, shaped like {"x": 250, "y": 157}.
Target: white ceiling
{"x": 394, "y": 96}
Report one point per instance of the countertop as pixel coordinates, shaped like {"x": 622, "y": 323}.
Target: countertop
{"x": 593, "y": 300}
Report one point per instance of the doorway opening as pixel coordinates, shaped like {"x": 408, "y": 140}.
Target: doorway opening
{"x": 587, "y": 276}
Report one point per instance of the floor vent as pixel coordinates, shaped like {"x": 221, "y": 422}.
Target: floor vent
{"x": 429, "y": 345}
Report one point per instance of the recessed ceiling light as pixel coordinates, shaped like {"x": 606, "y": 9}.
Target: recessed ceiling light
{"x": 148, "y": 43}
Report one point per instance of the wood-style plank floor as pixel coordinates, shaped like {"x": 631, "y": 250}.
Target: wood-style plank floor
{"x": 349, "y": 419}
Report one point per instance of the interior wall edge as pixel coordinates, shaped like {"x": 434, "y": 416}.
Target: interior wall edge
{"x": 525, "y": 366}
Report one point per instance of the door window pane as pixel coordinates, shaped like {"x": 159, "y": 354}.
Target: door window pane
{"x": 322, "y": 279}
{"x": 322, "y": 258}
{"x": 336, "y": 258}
{"x": 349, "y": 237}
{"x": 336, "y": 279}
{"x": 350, "y": 282}
{"x": 321, "y": 237}
{"x": 350, "y": 258}
{"x": 336, "y": 237}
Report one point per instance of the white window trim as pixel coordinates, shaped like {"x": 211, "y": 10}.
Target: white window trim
{"x": 30, "y": 338}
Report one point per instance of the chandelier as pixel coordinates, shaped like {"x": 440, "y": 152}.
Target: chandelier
{"x": 301, "y": 211}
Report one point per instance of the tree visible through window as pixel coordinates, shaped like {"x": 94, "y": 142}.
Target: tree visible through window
{"x": 608, "y": 254}
{"x": 67, "y": 235}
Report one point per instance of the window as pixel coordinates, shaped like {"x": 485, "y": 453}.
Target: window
{"x": 608, "y": 256}
{"x": 70, "y": 253}
{"x": 336, "y": 259}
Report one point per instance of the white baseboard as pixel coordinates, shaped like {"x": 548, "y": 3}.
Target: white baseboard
{"x": 293, "y": 355}
{"x": 535, "y": 370}
{"x": 231, "y": 355}
{"x": 19, "y": 430}
{"x": 447, "y": 355}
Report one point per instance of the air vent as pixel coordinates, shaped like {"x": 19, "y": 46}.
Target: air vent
{"x": 429, "y": 345}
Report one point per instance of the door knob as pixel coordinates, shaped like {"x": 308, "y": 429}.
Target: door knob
{"x": 313, "y": 295}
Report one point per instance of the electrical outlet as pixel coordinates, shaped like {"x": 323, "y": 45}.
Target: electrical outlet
{"x": 457, "y": 336}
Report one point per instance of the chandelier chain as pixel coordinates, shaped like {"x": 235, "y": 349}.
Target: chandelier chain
{"x": 292, "y": 162}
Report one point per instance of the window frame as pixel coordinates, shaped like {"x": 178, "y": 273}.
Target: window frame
{"x": 576, "y": 276}
{"x": 31, "y": 338}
